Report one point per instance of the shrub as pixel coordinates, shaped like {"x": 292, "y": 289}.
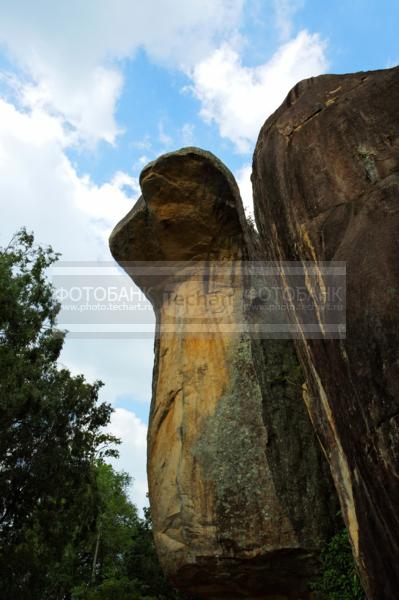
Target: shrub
{"x": 339, "y": 579}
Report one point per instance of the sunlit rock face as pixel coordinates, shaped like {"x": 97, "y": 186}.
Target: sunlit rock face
{"x": 326, "y": 188}
{"x": 240, "y": 494}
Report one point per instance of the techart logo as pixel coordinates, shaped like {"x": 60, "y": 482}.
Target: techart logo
{"x": 255, "y": 298}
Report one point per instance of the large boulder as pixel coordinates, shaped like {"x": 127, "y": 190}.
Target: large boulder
{"x": 326, "y": 188}
{"x": 240, "y": 493}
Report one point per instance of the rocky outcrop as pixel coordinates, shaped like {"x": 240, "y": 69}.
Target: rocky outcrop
{"x": 241, "y": 497}
{"x": 326, "y": 188}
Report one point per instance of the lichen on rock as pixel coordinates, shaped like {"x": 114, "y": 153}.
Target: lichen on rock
{"x": 326, "y": 188}
{"x": 225, "y": 524}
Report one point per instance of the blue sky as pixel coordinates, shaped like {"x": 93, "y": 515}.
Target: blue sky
{"x": 91, "y": 90}
{"x": 359, "y": 35}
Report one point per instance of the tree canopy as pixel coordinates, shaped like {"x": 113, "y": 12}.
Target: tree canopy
{"x": 68, "y": 529}
{"x": 51, "y": 429}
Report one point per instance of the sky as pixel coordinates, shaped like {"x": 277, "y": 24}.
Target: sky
{"x": 92, "y": 90}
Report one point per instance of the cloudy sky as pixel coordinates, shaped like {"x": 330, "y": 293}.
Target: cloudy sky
{"x": 91, "y": 90}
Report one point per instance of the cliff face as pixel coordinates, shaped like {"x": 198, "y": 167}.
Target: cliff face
{"x": 326, "y": 187}
{"x": 241, "y": 497}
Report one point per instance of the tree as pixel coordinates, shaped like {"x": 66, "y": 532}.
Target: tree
{"x": 143, "y": 562}
{"x": 51, "y": 431}
{"x": 125, "y": 565}
{"x": 68, "y": 529}
{"x": 116, "y": 524}
{"x": 339, "y": 579}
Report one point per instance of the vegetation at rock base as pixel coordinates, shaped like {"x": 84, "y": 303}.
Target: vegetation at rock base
{"x": 68, "y": 530}
{"x": 339, "y": 579}
{"x": 125, "y": 565}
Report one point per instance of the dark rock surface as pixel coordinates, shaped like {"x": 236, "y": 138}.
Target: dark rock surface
{"x": 326, "y": 187}
{"x": 241, "y": 496}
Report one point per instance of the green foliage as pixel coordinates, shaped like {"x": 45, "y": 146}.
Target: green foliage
{"x": 68, "y": 530}
{"x": 339, "y": 579}
{"x": 117, "y": 522}
{"x": 51, "y": 430}
{"x": 143, "y": 563}
{"x": 116, "y": 589}
{"x": 125, "y": 564}
{"x": 251, "y": 223}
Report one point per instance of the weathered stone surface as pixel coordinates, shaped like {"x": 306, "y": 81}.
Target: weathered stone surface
{"x": 241, "y": 497}
{"x": 326, "y": 187}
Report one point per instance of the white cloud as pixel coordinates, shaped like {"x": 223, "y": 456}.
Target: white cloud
{"x": 187, "y": 134}
{"x": 240, "y": 98}
{"x": 163, "y": 137}
{"x": 104, "y": 204}
{"x": 125, "y": 365}
{"x": 89, "y": 107}
{"x": 133, "y": 434}
{"x": 284, "y": 11}
{"x": 40, "y": 188}
{"x": 69, "y": 50}
{"x": 243, "y": 178}
{"x": 67, "y": 90}
{"x": 144, "y": 144}
{"x": 142, "y": 160}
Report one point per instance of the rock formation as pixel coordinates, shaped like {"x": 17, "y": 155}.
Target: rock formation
{"x": 326, "y": 188}
{"x": 240, "y": 493}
